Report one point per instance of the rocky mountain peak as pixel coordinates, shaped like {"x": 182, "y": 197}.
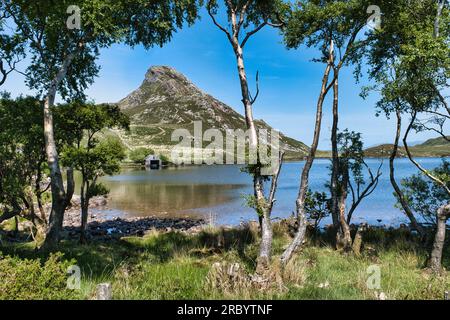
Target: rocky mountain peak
{"x": 163, "y": 74}
{"x": 169, "y": 80}
{"x": 168, "y": 100}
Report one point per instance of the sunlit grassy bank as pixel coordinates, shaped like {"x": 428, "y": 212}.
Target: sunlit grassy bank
{"x": 176, "y": 266}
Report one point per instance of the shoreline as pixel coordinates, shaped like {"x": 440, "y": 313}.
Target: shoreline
{"x": 103, "y": 226}
{"x": 127, "y": 165}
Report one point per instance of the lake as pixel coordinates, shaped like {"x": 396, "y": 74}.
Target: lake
{"x": 217, "y": 192}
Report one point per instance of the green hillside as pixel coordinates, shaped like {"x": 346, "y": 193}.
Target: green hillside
{"x": 438, "y": 147}
{"x": 167, "y": 100}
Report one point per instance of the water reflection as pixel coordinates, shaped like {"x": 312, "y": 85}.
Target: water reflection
{"x": 218, "y": 190}
{"x": 141, "y": 198}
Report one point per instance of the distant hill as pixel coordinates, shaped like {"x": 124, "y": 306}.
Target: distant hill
{"x": 438, "y": 147}
{"x": 167, "y": 100}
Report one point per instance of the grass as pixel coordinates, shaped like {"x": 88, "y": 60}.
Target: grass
{"x": 176, "y": 266}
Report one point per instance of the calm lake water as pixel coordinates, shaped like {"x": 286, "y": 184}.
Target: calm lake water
{"x": 218, "y": 192}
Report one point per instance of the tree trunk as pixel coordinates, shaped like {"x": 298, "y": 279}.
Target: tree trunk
{"x": 8, "y": 214}
{"x": 343, "y": 236}
{"x": 57, "y": 184}
{"x": 335, "y": 156}
{"x": 338, "y": 191}
{"x": 258, "y": 186}
{"x": 300, "y": 203}
{"x": 16, "y": 226}
{"x": 358, "y": 241}
{"x": 435, "y": 262}
{"x": 38, "y": 192}
{"x": 59, "y": 200}
{"x": 397, "y": 189}
{"x": 70, "y": 186}
{"x": 246, "y": 96}
{"x": 84, "y": 210}
{"x": 265, "y": 250}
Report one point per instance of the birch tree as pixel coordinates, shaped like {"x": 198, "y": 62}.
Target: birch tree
{"x": 332, "y": 27}
{"x": 351, "y": 183}
{"x": 245, "y": 18}
{"x": 64, "y": 39}
{"x": 80, "y": 124}
{"x": 298, "y": 31}
{"x": 411, "y": 66}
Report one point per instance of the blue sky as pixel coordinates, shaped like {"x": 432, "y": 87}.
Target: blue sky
{"x": 289, "y": 81}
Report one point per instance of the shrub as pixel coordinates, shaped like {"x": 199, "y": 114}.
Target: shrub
{"x": 25, "y": 279}
{"x": 138, "y": 155}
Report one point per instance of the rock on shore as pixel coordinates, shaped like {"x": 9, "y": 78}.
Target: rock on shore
{"x": 103, "y": 227}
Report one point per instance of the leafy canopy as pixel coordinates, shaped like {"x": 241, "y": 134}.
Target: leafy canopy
{"x": 82, "y": 123}
{"x": 424, "y": 196}
{"x": 315, "y": 23}
{"x": 21, "y": 146}
{"x": 43, "y": 25}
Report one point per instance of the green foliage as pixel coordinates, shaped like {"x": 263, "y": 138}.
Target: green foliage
{"x": 257, "y": 11}
{"x": 11, "y": 48}
{"x": 22, "y": 156}
{"x": 81, "y": 123}
{"x": 138, "y": 155}
{"x": 164, "y": 159}
{"x": 98, "y": 189}
{"x": 25, "y": 279}
{"x": 42, "y": 25}
{"x": 409, "y": 64}
{"x": 317, "y": 207}
{"x": 175, "y": 266}
{"x": 351, "y": 154}
{"x": 315, "y": 23}
{"x": 78, "y": 120}
{"x": 93, "y": 158}
{"x": 21, "y": 149}
{"x": 252, "y": 202}
{"x": 424, "y": 196}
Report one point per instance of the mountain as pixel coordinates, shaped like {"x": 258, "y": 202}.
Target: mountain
{"x": 167, "y": 100}
{"x": 438, "y": 147}
{"x": 441, "y": 141}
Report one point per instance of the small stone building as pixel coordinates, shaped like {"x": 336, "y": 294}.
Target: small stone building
{"x": 153, "y": 162}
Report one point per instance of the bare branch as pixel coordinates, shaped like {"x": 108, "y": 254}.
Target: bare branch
{"x": 8, "y": 214}
{"x": 438, "y": 114}
{"x": 3, "y": 72}
{"x": 343, "y": 58}
{"x": 276, "y": 25}
{"x": 423, "y": 126}
{"x": 371, "y": 187}
{"x": 242, "y": 15}
{"x": 274, "y": 185}
{"x": 411, "y": 158}
{"x": 253, "y": 100}
{"x": 443, "y": 101}
{"x": 218, "y": 24}
{"x": 251, "y": 33}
